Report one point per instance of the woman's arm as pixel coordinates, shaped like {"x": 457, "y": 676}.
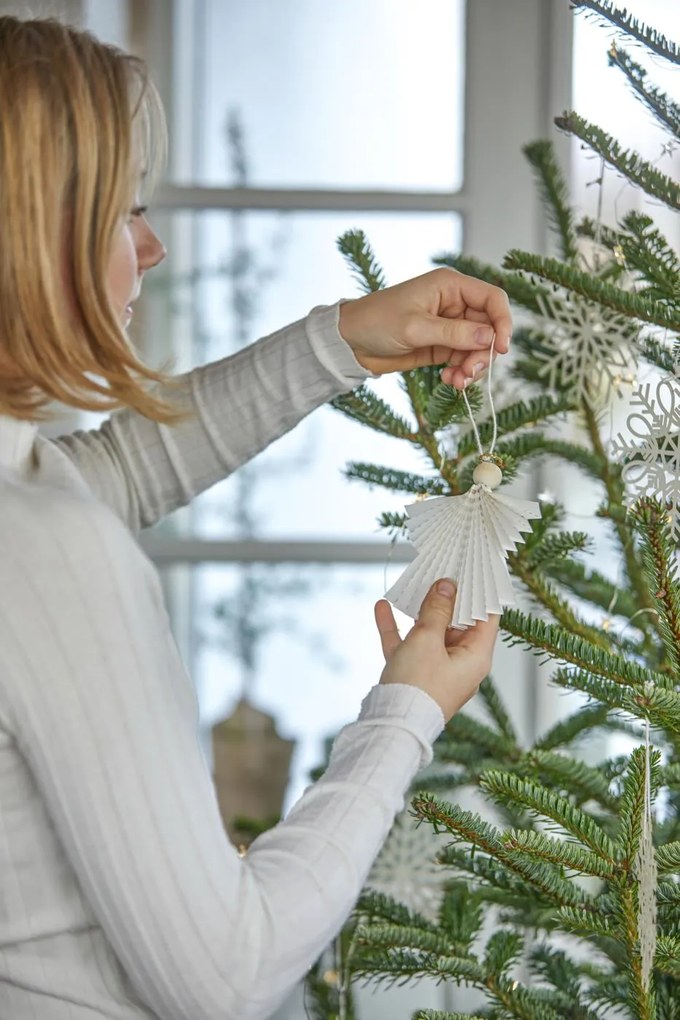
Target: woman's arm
{"x": 143, "y": 471}
{"x": 106, "y": 717}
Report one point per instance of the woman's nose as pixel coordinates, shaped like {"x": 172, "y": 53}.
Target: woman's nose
{"x": 151, "y": 250}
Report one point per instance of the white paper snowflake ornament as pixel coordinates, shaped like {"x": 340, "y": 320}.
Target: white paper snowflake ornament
{"x": 654, "y": 443}
{"x": 465, "y": 538}
{"x": 591, "y": 350}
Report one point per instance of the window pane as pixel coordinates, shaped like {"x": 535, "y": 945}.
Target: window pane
{"x": 346, "y": 95}
{"x": 253, "y": 273}
{"x": 299, "y": 641}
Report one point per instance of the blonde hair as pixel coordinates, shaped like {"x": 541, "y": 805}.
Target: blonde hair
{"x": 79, "y": 119}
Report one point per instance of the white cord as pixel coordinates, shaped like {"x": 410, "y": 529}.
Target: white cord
{"x": 493, "y": 410}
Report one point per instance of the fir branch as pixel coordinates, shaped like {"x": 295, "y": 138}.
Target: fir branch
{"x": 410, "y": 937}
{"x": 446, "y": 405}
{"x": 385, "y": 965}
{"x": 393, "y": 522}
{"x": 635, "y": 306}
{"x": 611, "y": 693}
{"x": 668, "y": 894}
{"x": 489, "y": 694}
{"x": 399, "y": 481}
{"x": 658, "y": 557}
{"x": 593, "y": 586}
{"x": 421, "y": 384}
{"x": 436, "y": 1014}
{"x": 537, "y": 634}
{"x": 668, "y": 858}
{"x": 656, "y": 353}
{"x": 463, "y": 825}
{"x": 613, "y": 482}
{"x": 667, "y": 957}
{"x": 584, "y": 922}
{"x": 627, "y": 162}
{"x": 558, "y": 851}
{"x": 555, "y": 194}
{"x": 519, "y": 415}
{"x": 365, "y": 407}
{"x": 646, "y": 250}
{"x": 522, "y": 1003}
{"x": 467, "y": 827}
{"x": 502, "y": 950}
{"x": 562, "y": 772}
{"x": 537, "y": 444}
{"x": 547, "y": 597}
{"x": 670, "y": 774}
{"x": 632, "y": 803}
{"x": 554, "y": 966}
{"x": 556, "y": 547}
{"x": 548, "y": 804}
{"x": 354, "y": 245}
{"x": 573, "y": 727}
{"x": 518, "y": 289}
{"x": 661, "y": 707}
{"x": 374, "y": 905}
{"x": 461, "y": 915}
{"x": 664, "y": 109}
{"x": 649, "y": 37}
{"x": 464, "y": 728}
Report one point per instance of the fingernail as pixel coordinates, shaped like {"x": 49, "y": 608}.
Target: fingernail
{"x": 445, "y": 588}
{"x": 483, "y": 336}
{"x": 467, "y": 381}
{"x": 478, "y": 367}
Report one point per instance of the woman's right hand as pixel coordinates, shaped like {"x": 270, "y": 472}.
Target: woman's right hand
{"x": 447, "y": 664}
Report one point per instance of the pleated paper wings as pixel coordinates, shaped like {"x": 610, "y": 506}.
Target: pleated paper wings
{"x": 466, "y": 538}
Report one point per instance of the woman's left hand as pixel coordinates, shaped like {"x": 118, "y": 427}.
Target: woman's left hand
{"x": 440, "y": 316}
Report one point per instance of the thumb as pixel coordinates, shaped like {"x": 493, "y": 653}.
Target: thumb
{"x": 437, "y": 607}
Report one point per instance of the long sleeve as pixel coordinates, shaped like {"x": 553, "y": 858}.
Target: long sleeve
{"x": 143, "y": 470}
{"x": 105, "y": 715}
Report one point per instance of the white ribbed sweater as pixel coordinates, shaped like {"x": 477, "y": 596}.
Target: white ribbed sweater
{"x": 120, "y": 895}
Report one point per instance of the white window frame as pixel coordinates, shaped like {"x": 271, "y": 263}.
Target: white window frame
{"x": 518, "y": 77}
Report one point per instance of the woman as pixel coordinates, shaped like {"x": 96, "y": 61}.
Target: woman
{"x": 120, "y": 894}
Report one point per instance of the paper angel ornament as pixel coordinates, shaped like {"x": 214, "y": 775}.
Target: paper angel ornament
{"x": 465, "y": 538}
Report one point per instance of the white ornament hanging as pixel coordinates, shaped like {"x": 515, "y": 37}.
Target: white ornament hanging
{"x": 466, "y": 538}
{"x": 646, "y": 872}
{"x": 591, "y": 349}
{"x": 654, "y": 442}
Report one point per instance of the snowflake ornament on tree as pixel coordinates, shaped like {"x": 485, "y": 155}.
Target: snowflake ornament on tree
{"x": 589, "y": 349}
{"x": 652, "y": 458}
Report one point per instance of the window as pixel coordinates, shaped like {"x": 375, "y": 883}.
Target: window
{"x": 405, "y": 120}
{"x": 244, "y": 197}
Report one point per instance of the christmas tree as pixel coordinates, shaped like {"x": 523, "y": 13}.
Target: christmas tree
{"x": 575, "y": 863}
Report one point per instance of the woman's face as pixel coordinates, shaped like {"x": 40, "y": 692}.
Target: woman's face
{"x": 135, "y": 250}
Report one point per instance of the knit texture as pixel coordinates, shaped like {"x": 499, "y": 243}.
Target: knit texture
{"x": 120, "y": 894}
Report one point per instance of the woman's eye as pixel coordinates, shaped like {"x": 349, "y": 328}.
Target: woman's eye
{"x": 139, "y": 210}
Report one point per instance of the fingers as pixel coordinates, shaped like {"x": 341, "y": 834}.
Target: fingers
{"x": 437, "y": 608}
{"x": 480, "y": 639}
{"x": 477, "y": 295}
{"x": 470, "y": 368}
{"x": 462, "y": 371}
{"x": 451, "y": 334}
{"x": 389, "y": 635}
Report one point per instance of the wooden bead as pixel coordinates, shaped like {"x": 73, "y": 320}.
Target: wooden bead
{"x": 487, "y": 473}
